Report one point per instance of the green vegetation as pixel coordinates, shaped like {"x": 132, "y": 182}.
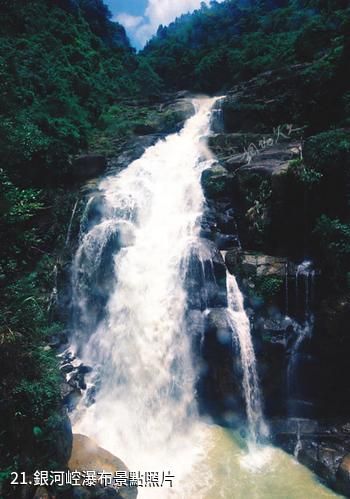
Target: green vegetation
{"x": 305, "y": 174}
{"x": 268, "y": 287}
{"x": 71, "y": 83}
{"x": 333, "y": 237}
{"x": 328, "y": 151}
{"x": 257, "y": 202}
{"x": 62, "y": 65}
{"x": 247, "y": 38}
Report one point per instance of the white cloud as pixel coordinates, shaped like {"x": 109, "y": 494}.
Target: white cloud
{"x": 157, "y": 12}
{"x": 129, "y": 21}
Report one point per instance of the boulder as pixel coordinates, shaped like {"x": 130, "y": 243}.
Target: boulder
{"x": 343, "y": 476}
{"x": 88, "y": 166}
{"x": 175, "y": 114}
{"x": 87, "y": 455}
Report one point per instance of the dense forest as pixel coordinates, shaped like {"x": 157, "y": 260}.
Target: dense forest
{"x": 62, "y": 65}
{"x": 220, "y": 46}
{"x": 70, "y": 84}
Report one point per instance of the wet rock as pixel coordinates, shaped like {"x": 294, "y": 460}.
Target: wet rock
{"x": 220, "y": 382}
{"x": 66, "y": 368}
{"x": 66, "y": 357}
{"x": 322, "y": 458}
{"x": 89, "y": 165}
{"x": 84, "y": 369}
{"x": 77, "y": 379}
{"x": 206, "y": 276}
{"x": 72, "y": 399}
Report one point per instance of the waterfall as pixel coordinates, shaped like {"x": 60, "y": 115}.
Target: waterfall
{"x": 133, "y": 260}
{"x": 306, "y": 272}
{"x": 286, "y": 288}
{"x": 298, "y": 445}
{"x": 69, "y": 230}
{"x": 241, "y": 330}
{"x": 303, "y": 329}
{"x": 139, "y": 234}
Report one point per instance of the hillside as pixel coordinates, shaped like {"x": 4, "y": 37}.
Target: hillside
{"x": 78, "y": 103}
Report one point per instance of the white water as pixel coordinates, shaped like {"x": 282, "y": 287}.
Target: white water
{"x": 69, "y": 230}
{"x": 145, "y": 412}
{"x": 145, "y": 409}
{"x": 241, "y": 329}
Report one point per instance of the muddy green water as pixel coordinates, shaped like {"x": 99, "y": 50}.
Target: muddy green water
{"x": 227, "y": 471}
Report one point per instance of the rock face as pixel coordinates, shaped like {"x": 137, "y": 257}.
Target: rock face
{"x": 86, "y": 455}
{"x": 216, "y": 182}
{"x": 324, "y": 448}
{"x": 263, "y": 265}
{"x": 88, "y": 166}
{"x": 266, "y": 101}
{"x": 262, "y": 204}
{"x": 175, "y": 114}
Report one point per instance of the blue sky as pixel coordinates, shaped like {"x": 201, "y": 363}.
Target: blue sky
{"x": 141, "y": 18}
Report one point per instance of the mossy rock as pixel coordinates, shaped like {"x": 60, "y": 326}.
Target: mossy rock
{"x": 216, "y": 182}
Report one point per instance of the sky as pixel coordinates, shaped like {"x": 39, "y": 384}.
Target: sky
{"x": 141, "y": 18}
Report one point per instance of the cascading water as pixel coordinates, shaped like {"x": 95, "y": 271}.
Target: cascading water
{"x": 69, "y": 230}
{"x": 305, "y": 275}
{"x": 129, "y": 301}
{"x": 241, "y": 329}
{"x": 145, "y": 406}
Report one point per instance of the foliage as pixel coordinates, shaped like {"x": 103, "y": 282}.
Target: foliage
{"x": 267, "y": 286}
{"x": 245, "y": 39}
{"x": 328, "y": 151}
{"x": 333, "y": 237}
{"x": 305, "y": 174}
{"x": 257, "y": 213}
{"x": 69, "y": 82}
{"x": 57, "y": 76}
